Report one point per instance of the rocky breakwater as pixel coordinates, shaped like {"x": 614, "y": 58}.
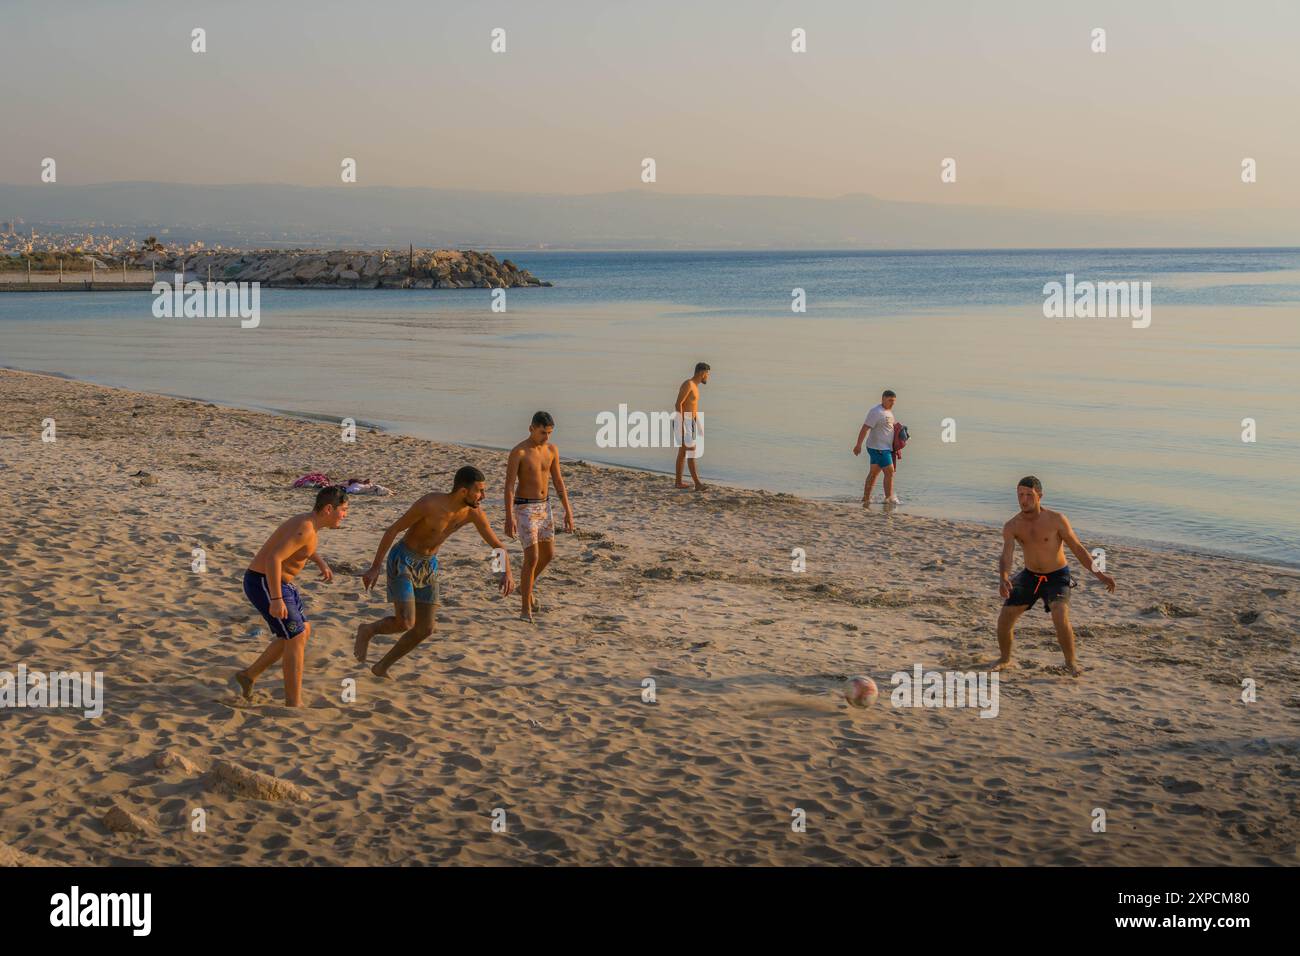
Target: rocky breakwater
{"x": 412, "y": 269}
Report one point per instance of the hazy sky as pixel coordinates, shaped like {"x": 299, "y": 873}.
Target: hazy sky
{"x": 709, "y": 88}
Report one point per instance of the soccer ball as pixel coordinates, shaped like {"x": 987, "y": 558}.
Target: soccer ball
{"x": 860, "y": 692}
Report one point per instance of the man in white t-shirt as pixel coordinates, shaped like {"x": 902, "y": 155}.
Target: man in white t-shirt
{"x": 878, "y": 431}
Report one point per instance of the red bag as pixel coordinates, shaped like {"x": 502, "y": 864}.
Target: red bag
{"x": 900, "y": 440}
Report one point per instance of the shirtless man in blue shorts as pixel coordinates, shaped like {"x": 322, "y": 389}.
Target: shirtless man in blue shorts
{"x": 269, "y": 588}
{"x": 412, "y": 565}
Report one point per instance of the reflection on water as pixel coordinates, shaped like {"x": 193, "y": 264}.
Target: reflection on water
{"x": 1134, "y": 432}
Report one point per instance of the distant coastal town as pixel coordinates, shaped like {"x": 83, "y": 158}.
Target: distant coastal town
{"x": 44, "y": 243}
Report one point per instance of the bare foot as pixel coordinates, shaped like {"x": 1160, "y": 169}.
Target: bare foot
{"x": 362, "y": 644}
{"x": 525, "y": 616}
{"x": 1069, "y": 669}
{"x": 681, "y": 484}
{"x": 382, "y": 675}
{"x": 1006, "y": 665}
{"x": 245, "y": 685}
{"x": 699, "y": 486}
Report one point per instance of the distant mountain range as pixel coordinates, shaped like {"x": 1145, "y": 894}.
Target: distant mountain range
{"x": 351, "y": 215}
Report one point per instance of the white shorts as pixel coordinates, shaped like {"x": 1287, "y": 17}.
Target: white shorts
{"x": 534, "y": 521}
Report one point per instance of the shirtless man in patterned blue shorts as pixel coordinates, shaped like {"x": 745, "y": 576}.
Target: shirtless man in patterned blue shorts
{"x": 412, "y": 564}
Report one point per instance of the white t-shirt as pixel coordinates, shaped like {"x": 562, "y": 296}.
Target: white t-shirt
{"x": 881, "y": 422}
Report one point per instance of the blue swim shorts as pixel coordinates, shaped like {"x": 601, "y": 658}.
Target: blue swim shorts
{"x": 411, "y": 576}
{"x": 259, "y": 595}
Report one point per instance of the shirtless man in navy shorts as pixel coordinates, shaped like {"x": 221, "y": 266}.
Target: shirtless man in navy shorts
{"x": 1043, "y": 535}
{"x": 269, "y": 588}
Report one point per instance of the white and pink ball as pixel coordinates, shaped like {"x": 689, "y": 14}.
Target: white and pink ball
{"x": 860, "y": 691}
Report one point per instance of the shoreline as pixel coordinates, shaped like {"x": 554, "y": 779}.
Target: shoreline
{"x": 848, "y": 501}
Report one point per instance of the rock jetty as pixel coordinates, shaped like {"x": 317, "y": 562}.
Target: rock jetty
{"x": 298, "y": 268}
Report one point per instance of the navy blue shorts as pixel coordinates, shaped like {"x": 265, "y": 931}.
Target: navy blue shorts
{"x": 260, "y": 597}
{"x": 1027, "y": 587}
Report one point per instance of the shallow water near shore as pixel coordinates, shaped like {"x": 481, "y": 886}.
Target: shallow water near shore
{"x": 1135, "y": 433}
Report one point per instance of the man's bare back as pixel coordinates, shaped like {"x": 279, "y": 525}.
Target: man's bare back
{"x": 438, "y": 518}
{"x": 301, "y": 532}
{"x": 688, "y": 397}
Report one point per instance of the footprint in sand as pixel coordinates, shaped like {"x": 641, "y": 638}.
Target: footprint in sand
{"x": 1180, "y": 787}
{"x": 393, "y": 741}
{"x": 466, "y": 672}
{"x": 1168, "y": 610}
{"x": 1060, "y": 670}
{"x": 458, "y": 761}
{"x": 544, "y": 841}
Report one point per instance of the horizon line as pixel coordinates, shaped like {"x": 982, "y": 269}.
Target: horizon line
{"x": 639, "y": 191}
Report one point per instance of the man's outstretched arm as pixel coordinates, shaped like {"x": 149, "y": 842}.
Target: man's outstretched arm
{"x": 485, "y": 531}
{"x": 1085, "y": 557}
{"x": 412, "y": 515}
{"x": 319, "y": 560}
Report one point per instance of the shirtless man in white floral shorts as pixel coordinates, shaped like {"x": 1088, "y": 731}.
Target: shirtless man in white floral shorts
{"x": 533, "y": 462}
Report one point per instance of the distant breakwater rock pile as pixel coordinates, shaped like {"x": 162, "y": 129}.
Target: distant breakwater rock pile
{"x": 413, "y": 269}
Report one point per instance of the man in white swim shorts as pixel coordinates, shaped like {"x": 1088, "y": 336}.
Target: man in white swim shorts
{"x": 533, "y": 463}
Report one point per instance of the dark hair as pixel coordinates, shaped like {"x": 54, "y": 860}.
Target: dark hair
{"x": 887, "y": 394}
{"x": 1029, "y": 481}
{"x": 333, "y": 495}
{"x": 543, "y": 419}
{"x": 467, "y": 476}
{"x": 701, "y": 367}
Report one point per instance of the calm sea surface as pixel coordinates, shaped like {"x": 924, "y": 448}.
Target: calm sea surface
{"x": 1135, "y": 433}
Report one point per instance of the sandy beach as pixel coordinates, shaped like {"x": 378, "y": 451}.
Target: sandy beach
{"x": 547, "y": 721}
